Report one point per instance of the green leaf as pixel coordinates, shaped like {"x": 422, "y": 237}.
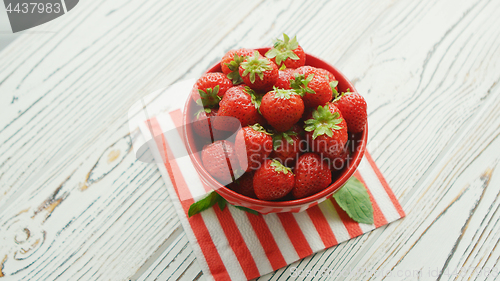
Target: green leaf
{"x": 247, "y": 210}
{"x": 205, "y": 203}
{"x": 355, "y": 201}
{"x": 211, "y": 199}
{"x": 222, "y": 204}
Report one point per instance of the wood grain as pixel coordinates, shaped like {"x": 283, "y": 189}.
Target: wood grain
{"x": 76, "y": 204}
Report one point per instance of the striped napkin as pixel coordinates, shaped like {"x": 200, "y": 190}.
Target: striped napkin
{"x": 236, "y": 245}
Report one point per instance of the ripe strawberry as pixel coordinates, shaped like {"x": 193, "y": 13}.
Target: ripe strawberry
{"x": 284, "y": 77}
{"x": 220, "y": 160}
{"x": 244, "y": 185}
{"x": 273, "y": 181}
{"x": 211, "y": 87}
{"x": 326, "y": 131}
{"x": 353, "y": 108}
{"x": 288, "y": 145}
{"x": 203, "y": 124}
{"x": 241, "y": 103}
{"x": 258, "y": 72}
{"x": 312, "y": 175}
{"x": 230, "y": 63}
{"x": 282, "y": 108}
{"x": 287, "y": 52}
{"x": 342, "y": 160}
{"x": 253, "y": 144}
{"x": 324, "y": 72}
{"x": 314, "y": 89}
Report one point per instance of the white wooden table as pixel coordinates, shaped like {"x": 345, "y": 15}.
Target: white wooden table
{"x": 75, "y": 204}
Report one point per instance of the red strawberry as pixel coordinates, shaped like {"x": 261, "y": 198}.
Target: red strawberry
{"x": 211, "y": 87}
{"x": 324, "y": 72}
{"x": 312, "y": 175}
{"x": 273, "y": 181}
{"x": 230, "y": 63}
{"x": 287, "y": 52}
{"x": 326, "y": 131}
{"x": 253, "y": 144}
{"x": 314, "y": 89}
{"x": 258, "y": 72}
{"x": 288, "y": 145}
{"x": 307, "y": 69}
{"x": 284, "y": 77}
{"x": 203, "y": 124}
{"x": 341, "y": 161}
{"x": 220, "y": 160}
{"x": 244, "y": 185}
{"x": 353, "y": 108}
{"x": 282, "y": 108}
{"x": 241, "y": 103}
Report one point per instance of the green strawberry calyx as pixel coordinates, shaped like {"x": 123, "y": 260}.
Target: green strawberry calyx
{"x": 283, "y": 94}
{"x": 255, "y": 65}
{"x": 339, "y": 96}
{"x": 301, "y": 84}
{"x": 279, "y": 168}
{"x": 209, "y": 97}
{"x": 256, "y": 98}
{"x": 258, "y": 128}
{"x": 234, "y": 66}
{"x": 333, "y": 84}
{"x": 283, "y": 49}
{"x": 206, "y": 110}
{"x": 278, "y": 138}
{"x": 323, "y": 122}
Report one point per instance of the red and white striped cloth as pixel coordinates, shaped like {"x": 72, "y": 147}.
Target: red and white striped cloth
{"x": 235, "y": 245}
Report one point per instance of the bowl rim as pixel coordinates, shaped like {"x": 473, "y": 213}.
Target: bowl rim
{"x": 334, "y": 186}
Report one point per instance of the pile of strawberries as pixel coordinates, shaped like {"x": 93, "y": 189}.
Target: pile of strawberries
{"x": 294, "y": 124}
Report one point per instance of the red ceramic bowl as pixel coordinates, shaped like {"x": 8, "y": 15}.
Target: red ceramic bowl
{"x": 265, "y": 207}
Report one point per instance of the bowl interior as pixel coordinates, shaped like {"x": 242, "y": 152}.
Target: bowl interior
{"x": 357, "y": 142}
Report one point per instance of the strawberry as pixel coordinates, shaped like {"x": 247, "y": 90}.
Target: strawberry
{"x": 282, "y": 108}
{"x": 219, "y": 160}
{"x": 239, "y": 102}
{"x": 244, "y": 185}
{"x": 314, "y": 89}
{"x": 203, "y": 122}
{"x": 353, "y": 108}
{"x": 288, "y": 145}
{"x": 258, "y": 72}
{"x": 211, "y": 87}
{"x": 326, "y": 131}
{"x": 312, "y": 175}
{"x": 273, "y": 181}
{"x": 230, "y": 63}
{"x": 284, "y": 77}
{"x": 253, "y": 144}
{"x": 324, "y": 72}
{"x": 287, "y": 52}
{"x": 342, "y": 160}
